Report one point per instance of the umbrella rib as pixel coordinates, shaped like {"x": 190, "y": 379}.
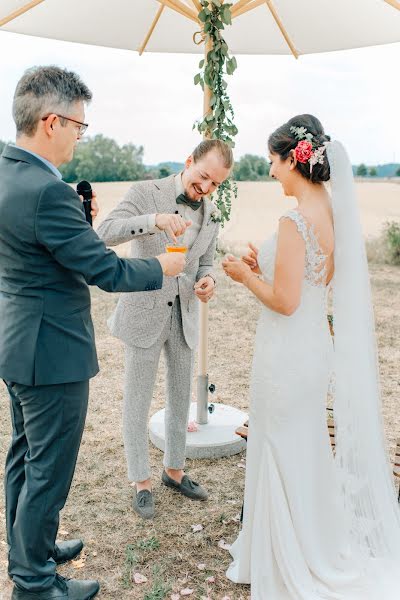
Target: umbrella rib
{"x": 394, "y": 3}
{"x": 249, "y": 5}
{"x": 152, "y": 27}
{"x": 180, "y": 8}
{"x": 19, "y": 11}
{"x": 239, "y": 5}
{"x": 282, "y": 28}
{"x": 197, "y": 5}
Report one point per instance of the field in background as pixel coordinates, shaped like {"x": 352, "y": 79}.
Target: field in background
{"x": 260, "y": 204}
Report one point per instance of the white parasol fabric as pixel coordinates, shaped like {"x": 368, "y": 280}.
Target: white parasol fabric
{"x": 259, "y": 26}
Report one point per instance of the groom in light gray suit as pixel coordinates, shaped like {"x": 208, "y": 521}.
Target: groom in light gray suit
{"x": 151, "y": 215}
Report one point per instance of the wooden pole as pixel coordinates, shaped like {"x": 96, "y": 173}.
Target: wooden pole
{"x": 150, "y": 32}
{"x": 203, "y": 342}
{"x": 19, "y": 12}
{"x": 394, "y": 3}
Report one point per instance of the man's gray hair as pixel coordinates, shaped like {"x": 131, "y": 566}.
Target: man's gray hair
{"x": 46, "y": 90}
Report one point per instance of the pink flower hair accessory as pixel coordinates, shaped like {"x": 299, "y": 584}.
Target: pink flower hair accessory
{"x": 307, "y": 151}
{"x": 303, "y": 151}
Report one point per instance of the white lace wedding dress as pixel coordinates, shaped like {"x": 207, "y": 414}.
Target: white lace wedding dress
{"x": 294, "y": 544}
{"x": 318, "y": 527}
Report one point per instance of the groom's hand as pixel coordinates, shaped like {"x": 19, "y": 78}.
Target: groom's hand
{"x": 173, "y": 225}
{"x": 204, "y": 288}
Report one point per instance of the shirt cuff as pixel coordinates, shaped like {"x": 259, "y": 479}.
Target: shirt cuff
{"x": 151, "y": 224}
{"x": 212, "y": 277}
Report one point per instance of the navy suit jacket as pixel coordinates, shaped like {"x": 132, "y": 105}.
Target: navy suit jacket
{"x": 48, "y": 257}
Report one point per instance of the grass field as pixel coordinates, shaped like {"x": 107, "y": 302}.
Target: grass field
{"x": 167, "y": 551}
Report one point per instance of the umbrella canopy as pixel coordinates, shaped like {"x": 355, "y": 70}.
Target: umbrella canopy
{"x": 259, "y": 26}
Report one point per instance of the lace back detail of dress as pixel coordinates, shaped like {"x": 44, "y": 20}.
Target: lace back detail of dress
{"x": 315, "y": 263}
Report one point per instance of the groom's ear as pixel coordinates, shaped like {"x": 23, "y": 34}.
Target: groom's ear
{"x": 292, "y": 160}
{"x": 188, "y": 161}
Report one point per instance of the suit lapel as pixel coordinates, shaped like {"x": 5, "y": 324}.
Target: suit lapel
{"x": 164, "y": 198}
{"x": 164, "y": 195}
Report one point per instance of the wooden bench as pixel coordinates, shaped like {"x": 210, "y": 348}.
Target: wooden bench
{"x": 243, "y": 431}
{"x": 396, "y": 468}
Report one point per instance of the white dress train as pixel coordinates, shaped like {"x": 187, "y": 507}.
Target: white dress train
{"x": 294, "y": 544}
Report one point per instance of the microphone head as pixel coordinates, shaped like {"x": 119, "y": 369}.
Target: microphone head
{"x": 84, "y": 189}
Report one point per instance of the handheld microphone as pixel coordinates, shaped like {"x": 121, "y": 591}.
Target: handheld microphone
{"x": 85, "y": 189}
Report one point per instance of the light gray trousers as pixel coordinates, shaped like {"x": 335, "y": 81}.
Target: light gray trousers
{"x": 141, "y": 366}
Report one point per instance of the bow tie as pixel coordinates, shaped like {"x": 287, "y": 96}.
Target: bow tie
{"x": 194, "y": 204}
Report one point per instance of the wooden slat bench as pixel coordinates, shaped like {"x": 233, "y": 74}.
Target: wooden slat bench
{"x": 243, "y": 431}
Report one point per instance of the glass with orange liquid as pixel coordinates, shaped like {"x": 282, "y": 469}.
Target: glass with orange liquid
{"x": 177, "y": 248}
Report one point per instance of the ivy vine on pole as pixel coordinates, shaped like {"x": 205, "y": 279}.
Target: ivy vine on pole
{"x": 218, "y": 123}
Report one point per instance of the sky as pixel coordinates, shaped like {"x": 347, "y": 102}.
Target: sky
{"x": 151, "y": 100}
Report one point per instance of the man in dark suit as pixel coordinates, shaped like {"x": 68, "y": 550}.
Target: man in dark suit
{"x": 48, "y": 256}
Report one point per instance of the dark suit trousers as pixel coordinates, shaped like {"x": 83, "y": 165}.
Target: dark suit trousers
{"x": 47, "y": 427}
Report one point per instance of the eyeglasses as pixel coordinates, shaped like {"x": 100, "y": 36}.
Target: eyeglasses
{"x": 83, "y": 126}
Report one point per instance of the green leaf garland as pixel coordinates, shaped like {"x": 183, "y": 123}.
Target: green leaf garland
{"x": 219, "y": 122}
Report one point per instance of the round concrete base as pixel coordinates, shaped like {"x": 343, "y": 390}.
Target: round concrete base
{"x": 214, "y": 440}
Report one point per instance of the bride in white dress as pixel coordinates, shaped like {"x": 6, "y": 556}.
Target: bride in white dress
{"x": 316, "y": 526}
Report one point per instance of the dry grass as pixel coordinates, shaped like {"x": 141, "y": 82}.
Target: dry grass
{"x": 166, "y": 550}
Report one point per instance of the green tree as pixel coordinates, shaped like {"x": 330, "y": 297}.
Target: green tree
{"x": 244, "y": 171}
{"x": 101, "y": 159}
{"x": 362, "y": 170}
{"x": 373, "y": 172}
{"x": 164, "y": 171}
{"x": 251, "y": 168}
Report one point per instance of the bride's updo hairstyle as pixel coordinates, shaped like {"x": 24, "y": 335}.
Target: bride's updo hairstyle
{"x": 284, "y": 139}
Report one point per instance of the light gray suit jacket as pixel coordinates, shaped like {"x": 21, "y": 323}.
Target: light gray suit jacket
{"x": 139, "y": 318}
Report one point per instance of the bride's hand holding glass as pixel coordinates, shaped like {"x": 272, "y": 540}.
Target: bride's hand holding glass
{"x": 237, "y": 269}
{"x": 251, "y": 259}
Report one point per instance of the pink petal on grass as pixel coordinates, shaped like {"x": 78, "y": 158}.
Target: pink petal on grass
{"x": 139, "y": 578}
{"x": 222, "y": 544}
{"x": 187, "y": 592}
{"x": 196, "y": 528}
{"x": 236, "y": 518}
{"x": 175, "y": 596}
{"x": 192, "y": 426}
{"x": 210, "y": 579}
{"x": 201, "y": 566}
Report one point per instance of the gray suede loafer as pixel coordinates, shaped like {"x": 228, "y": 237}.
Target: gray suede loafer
{"x": 143, "y": 504}
{"x": 187, "y": 487}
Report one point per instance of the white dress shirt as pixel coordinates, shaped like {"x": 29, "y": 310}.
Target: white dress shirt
{"x": 188, "y": 214}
